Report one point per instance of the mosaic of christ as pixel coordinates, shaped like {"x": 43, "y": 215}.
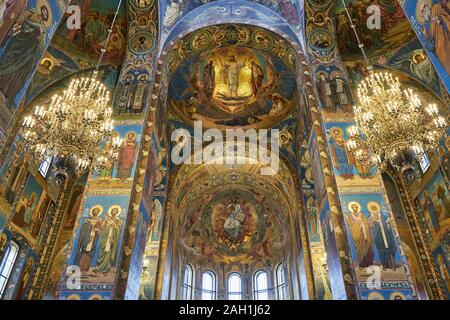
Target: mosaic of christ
{"x": 234, "y": 226}
{"x": 233, "y": 86}
{"x": 234, "y": 77}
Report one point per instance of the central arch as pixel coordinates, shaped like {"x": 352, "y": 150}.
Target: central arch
{"x": 292, "y": 252}
{"x": 198, "y": 231}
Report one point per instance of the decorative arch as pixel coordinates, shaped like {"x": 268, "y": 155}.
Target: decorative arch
{"x": 191, "y": 188}
{"x": 232, "y": 11}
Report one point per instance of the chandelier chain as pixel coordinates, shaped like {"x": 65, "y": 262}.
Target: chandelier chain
{"x": 110, "y": 30}
{"x": 360, "y": 44}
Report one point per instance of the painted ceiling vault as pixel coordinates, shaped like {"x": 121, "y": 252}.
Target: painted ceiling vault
{"x": 231, "y": 213}
{"x": 232, "y": 75}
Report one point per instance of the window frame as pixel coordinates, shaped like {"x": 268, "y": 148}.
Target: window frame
{"x": 230, "y": 293}
{"x": 188, "y": 284}
{"x": 424, "y": 162}
{"x": 258, "y": 292}
{"x": 210, "y": 291}
{"x": 280, "y": 276}
{"x": 12, "y": 261}
{"x": 47, "y": 161}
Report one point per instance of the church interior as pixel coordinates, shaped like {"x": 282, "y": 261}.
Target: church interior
{"x": 224, "y": 150}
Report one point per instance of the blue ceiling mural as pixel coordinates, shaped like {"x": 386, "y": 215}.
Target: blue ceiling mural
{"x": 284, "y": 17}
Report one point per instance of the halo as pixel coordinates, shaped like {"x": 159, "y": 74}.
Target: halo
{"x": 375, "y": 296}
{"x": 41, "y": 3}
{"x": 336, "y": 73}
{"x": 351, "y": 204}
{"x": 374, "y": 203}
{"x": 119, "y": 208}
{"x": 74, "y": 297}
{"x": 132, "y": 132}
{"x": 393, "y": 294}
{"x": 45, "y": 60}
{"x": 95, "y": 297}
{"x": 417, "y": 54}
{"x": 340, "y": 133}
{"x": 96, "y": 207}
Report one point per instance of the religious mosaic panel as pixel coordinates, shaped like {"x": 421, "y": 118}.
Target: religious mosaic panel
{"x": 430, "y": 21}
{"x": 96, "y": 247}
{"x": 377, "y": 257}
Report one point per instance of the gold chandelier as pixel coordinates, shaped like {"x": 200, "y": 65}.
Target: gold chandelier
{"x": 75, "y": 126}
{"x": 393, "y": 125}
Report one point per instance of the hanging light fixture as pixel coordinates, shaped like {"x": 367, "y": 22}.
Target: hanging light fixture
{"x": 393, "y": 126}
{"x": 75, "y": 125}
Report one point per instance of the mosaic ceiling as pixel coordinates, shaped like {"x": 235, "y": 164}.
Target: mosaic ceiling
{"x": 231, "y": 213}
{"x": 232, "y": 76}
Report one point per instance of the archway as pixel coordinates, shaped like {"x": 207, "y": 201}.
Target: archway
{"x": 194, "y": 83}
{"x": 230, "y": 219}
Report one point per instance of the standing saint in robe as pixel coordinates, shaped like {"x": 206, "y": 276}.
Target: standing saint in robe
{"x": 155, "y": 219}
{"x": 88, "y": 239}
{"x": 443, "y": 270}
{"x": 312, "y": 219}
{"x": 21, "y": 206}
{"x": 441, "y": 193}
{"x": 209, "y": 76}
{"x": 383, "y": 236}
{"x": 361, "y": 235}
{"x": 257, "y": 77}
{"x": 340, "y": 153}
{"x": 26, "y": 275}
{"x": 325, "y": 93}
{"x": 362, "y": 167}
{"x": 31, "y": 207}
{"x": 232, "y": 71}
{"x": 440, "y": 31}
{"x": 123, "y": 96}
{"x": 23, "y": 52}
{"x": 109, "y": 240}
{"x": 105, "y": 173}
{"x": 127, "y": 154}
{"x": 343, "y": 94}
{"x": 429, "y": 207}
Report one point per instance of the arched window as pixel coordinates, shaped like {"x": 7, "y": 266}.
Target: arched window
{"x": 6, "y": 265}
{"x": 209, "y": 286}
{"x": 44, "y": 166}
{"x": 188, "y": 282}
{"x": 281, "y": 282}
{"x": 234, "y": 288}
{"x": 260, "y": 286}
